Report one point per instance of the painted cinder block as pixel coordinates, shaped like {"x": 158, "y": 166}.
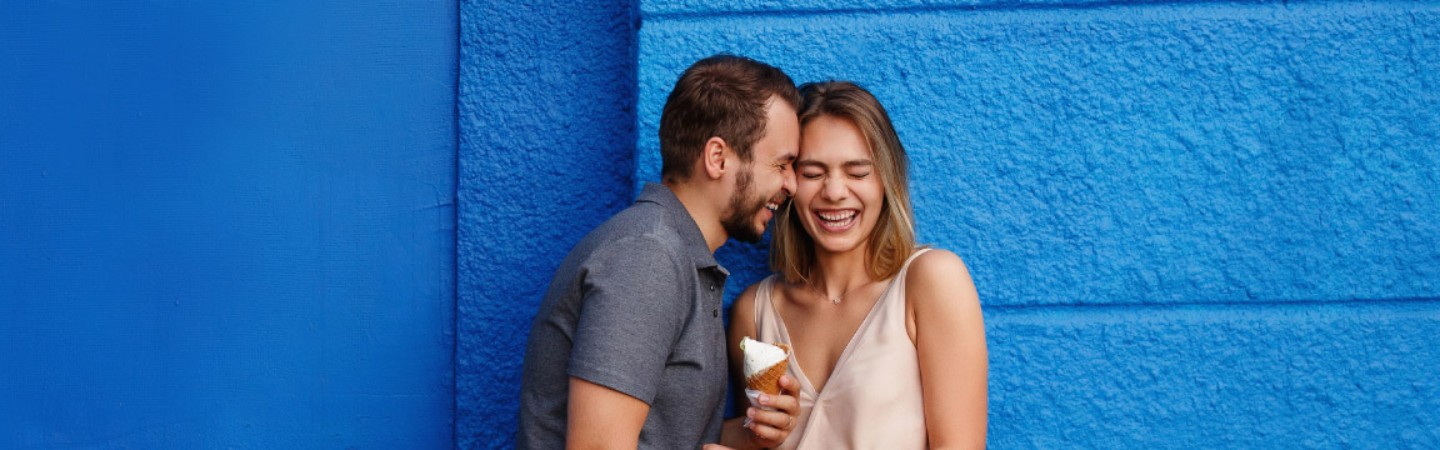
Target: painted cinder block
{"x": 1192, "y": 224}
{"x": 1354, "y": 375}
{"x": 1202, "y": 225}
{"x": 1169, "y": 154}
{"x": 694, "y": 8}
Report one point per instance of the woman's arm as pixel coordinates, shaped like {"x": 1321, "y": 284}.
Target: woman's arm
{"x": 949, "y": 335}
{"x": 770, "y": 428}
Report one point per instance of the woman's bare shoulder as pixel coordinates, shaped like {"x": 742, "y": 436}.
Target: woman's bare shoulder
{"x": 936, "y": 265}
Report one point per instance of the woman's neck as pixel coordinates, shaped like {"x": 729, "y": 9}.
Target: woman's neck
{"x": 836, "y": 274}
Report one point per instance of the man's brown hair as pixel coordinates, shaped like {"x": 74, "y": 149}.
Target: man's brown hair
{"x": 725, "y": 96}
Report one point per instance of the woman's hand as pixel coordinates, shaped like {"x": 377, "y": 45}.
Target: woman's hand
{"x": 771, "y": 428}
{"x": 760, "y": 428}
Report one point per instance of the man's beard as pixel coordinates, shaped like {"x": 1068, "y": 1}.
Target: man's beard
{"x": 739, "y": 223}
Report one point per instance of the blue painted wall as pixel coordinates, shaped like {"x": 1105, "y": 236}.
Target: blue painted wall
{"x": 1209, "y": 224}
{"x": 1192, "y": 225}
{"x": 227, "y": 225}
{"x": 547, "y": 138}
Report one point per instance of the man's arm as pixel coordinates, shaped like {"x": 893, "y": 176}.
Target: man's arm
{"x": 603, "y": 418}
{"x": 633, "y": 311}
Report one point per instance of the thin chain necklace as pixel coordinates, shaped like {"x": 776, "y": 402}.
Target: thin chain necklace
{"x": 836, "y": 299}
{"x": 819, "y": 287}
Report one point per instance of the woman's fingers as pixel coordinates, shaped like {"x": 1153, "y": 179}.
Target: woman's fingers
{"x": 770, "y": 427}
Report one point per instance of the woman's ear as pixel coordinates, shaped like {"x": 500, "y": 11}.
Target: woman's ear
{"x": 713, "y": 157}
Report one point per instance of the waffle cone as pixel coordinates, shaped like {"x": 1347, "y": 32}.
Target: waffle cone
{"x": 768, "y": 381}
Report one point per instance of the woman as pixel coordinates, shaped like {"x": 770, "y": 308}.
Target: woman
{"x": 888, "y": 340}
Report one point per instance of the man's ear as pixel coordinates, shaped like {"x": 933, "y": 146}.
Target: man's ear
{"x": 713, "y": 157}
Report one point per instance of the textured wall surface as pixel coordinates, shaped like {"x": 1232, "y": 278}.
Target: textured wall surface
{"x": 547, "y": 134}
{"x": 1192, "y": 225}
{"x": 1210, "y": 225}
{"x": 226, "y": 225}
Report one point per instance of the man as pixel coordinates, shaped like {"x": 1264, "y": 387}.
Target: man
{"x": 628, "y": 349}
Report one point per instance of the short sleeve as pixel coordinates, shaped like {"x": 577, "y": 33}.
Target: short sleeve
{"x": 634, "y": 307}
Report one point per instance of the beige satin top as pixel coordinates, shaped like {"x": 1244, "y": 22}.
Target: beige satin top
{"x": 872, "y": 399}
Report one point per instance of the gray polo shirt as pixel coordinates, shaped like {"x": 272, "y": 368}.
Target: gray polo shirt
{"x": 634, "y": 307}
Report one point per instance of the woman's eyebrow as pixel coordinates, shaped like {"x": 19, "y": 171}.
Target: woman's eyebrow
{"x": 846, "y": 164}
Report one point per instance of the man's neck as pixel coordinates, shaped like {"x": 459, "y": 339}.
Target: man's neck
{"x": 702, "y": 209}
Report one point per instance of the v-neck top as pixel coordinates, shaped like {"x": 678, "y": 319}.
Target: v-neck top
{"x": 873, "y": 397}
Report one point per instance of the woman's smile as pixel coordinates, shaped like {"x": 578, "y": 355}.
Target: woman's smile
{"x": 836, "y": 220}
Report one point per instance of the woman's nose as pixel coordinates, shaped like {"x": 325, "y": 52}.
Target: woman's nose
{"x": 834, "y": 188}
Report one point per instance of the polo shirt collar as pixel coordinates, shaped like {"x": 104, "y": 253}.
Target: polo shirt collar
{"x": 695, "y": 246}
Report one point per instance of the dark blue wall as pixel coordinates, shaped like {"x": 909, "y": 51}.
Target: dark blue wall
{"x": 547, "y": 135}
{"x": 226, "y": 225}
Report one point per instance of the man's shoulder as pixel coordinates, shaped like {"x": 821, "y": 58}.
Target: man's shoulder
{"x": 639, "y": 230}
{"x": 644, "y": 221}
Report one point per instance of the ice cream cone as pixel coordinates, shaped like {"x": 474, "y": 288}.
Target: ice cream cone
{"x": 764, "y": 364}
{"x": 768, "y": 379}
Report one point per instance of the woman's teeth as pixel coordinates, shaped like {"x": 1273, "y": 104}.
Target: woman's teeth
{"x": 835, "y": 220}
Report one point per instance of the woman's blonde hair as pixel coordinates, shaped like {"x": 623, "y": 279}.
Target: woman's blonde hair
{"x": 792, "y": 250}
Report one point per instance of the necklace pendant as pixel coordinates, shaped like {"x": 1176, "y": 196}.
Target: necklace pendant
{"x": 835, "y": 300}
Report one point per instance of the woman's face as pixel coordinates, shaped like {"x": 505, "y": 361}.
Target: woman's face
{"x": 838, "y": 193}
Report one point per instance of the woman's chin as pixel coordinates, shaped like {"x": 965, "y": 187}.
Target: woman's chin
{"x": 837, "y": 245}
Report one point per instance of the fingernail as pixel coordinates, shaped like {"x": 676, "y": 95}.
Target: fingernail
{"x": 764, "y": 399}
{"x": 749, "y": 412}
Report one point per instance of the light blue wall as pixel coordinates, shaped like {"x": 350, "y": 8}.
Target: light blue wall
{"x": 226, "y": 225}
{"x": 1207, "y": 225}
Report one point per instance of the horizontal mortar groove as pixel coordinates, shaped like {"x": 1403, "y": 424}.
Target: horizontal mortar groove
{"x": 1415, "y": 305}
{"x": 693, "y": 13}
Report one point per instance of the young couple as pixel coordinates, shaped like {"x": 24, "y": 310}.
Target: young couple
{"x": 628, "y": 349}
